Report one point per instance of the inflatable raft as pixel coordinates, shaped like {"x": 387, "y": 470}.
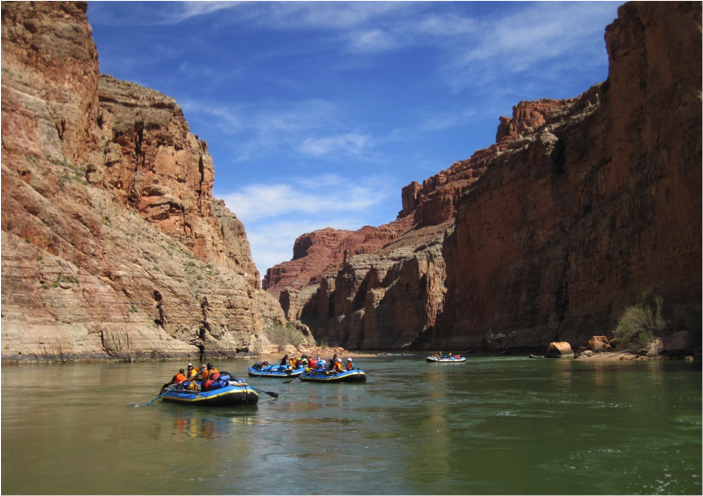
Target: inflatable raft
{"x": 355, "y": 375}
{"x": 279, "y": 371}
{"x": 446, "y": 359}
{"x": 233, "y": 395}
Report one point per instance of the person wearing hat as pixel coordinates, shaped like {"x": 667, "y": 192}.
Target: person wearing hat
{"x": 208, "y": 370}
{"x": 337, "y": 366}
{"x": 350, "y": 364}
{"x": 192, "y": 371}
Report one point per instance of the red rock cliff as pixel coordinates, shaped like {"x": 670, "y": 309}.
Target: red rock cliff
{"x": 570, "y": 225}
{"x": 325, "y": 250}
{"x": 112, "y": 245}
{"x": 580, "y": 206}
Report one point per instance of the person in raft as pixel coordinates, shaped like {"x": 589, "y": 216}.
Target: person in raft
{"x": 179, "y": 377}
{"x": 303, "y": 362}
{"x": 337, "y": 366}
{"x": 350, "y": 364}
{"x": 192, "y": 371}
{"x": 208, "y": 371}
{"x": 333, "y": 362}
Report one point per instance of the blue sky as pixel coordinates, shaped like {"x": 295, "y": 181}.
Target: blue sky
{"x": 317, "y": 114}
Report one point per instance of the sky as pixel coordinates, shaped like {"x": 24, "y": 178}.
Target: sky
{"x": 317, "y": 114}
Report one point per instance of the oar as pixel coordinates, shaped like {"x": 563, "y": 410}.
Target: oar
{"x": 270, "y": 393}
{"x": 291, "y": 380}
{"x": 173, "y": 387}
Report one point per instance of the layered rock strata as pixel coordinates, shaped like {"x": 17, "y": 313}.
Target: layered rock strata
{"x": 307, "y": 288}
{"x": 112, "y": 244}
{"x": 381, "y": 300}
{"x": 571, "y": 224}
{"x": 580, "y": 206}
{"x": 325, "y": 250}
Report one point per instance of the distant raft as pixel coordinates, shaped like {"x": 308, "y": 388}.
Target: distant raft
{"x": 355, "y": 375}
{"x": 235, "y": 394}
{"x": 275, "y": 371}
{"x": 446, "y": 359}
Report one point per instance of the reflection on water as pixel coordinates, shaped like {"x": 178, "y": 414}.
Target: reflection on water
{"x": 494, "y": 425}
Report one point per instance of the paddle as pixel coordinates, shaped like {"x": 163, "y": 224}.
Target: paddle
{"x": 173, "y": 387}
{"x": 270, "y": 393}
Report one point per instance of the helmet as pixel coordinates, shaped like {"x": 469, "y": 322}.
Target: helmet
{"x": 202, "y": 367}
{"x": 339, "y": 359}
{"x": 209, "y": 365}
{"x": 349, "y": 359}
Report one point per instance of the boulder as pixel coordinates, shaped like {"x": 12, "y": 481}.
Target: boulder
{"x": 677, "y": 342}
{"x": 559, "y": 350}
{"x": 598, "y": 343}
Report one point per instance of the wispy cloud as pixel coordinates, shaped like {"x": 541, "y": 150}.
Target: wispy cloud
{"x": 529, "y": 40}
{"x": 309, "y": 128}
{"x": 338, "y": 14}
{"x": 272, "y": 243}
{"x": 375, "y": 40}
{"x": 353, "y": 143}
{"x": 276, "y": 214}
{"x": 329, "y": 194}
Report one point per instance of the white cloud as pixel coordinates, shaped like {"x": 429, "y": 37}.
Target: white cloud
{"x": 330, "y": 195}
{"x": 269, "y": 15}
{"x": 353, "y": 143}
{"x": 372, "y": 41}
{"x": 272, "y": 242}
{"x": 529, "y": 40}
{"x": 300, "y": 128}
{"x": 276, "y": 214}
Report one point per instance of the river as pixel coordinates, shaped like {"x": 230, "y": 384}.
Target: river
{"x": 493, "y": 425}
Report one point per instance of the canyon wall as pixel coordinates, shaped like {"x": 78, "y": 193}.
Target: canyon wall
{"x": 388, "y": 293}
{"x": 112, "y": 244}
{"x": 570, "y": 225}
{"x": 579, "y": 207}
{"x": 380, "y": 300}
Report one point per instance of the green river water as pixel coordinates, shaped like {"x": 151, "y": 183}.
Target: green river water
{"x": 493, "y": 425}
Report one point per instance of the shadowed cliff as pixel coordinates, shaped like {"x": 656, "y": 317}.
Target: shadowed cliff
{"x": 579, "y": 207}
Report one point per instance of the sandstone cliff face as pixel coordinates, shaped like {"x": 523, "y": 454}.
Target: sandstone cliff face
{"x": 112, "y": 245}
{"x": 435, "y": 201}
{"x": 314, "y": 285}
{"x": 152, "y": 162}
{"x": 580, "y": 206}
{"x": 569, "y": 225}
{"x": 325, "y": 250}
{"x": 382, "y": 300}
